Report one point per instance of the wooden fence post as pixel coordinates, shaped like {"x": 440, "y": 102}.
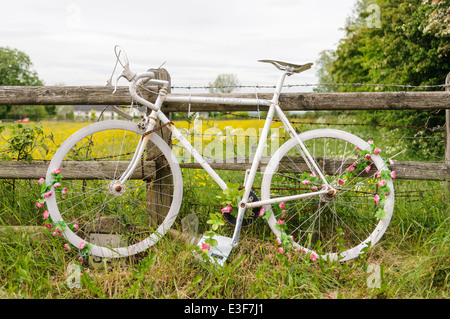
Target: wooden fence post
{"x": 158, "y": 194}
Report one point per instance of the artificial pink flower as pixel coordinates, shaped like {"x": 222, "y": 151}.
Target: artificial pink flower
{"x": 340, "y": 181}
{"x": 351, "y": 168}
{"x": 312, "y": 174}
{"x": 40, "y": 204}
{"x": 378, "y": 174}
{"x": 377, "y": 150}
{"x": 67, "y": 247}
{"x": 391, "y": 162}
{"x": 377, "y": 198}
{"x": 227, "y": 209}
{"x": 41, "y": 180}
{"x": 284, "y": 214}
{"x": 64, "y": 191}
{"x": 280, "y": 222}
{"x": 382, "y": 183}
{"x": 393, "y": 174}
{"x": 82, "y": 245}
{"x": 306, "y": 182}
{"x": 261, "y": 212}
{"x": 368, "y": 168}
{"x": 304, "y": 252}
{"x": 313, "y": 257}
{"x": 48, "y": 225}
{"x": 314, "y": 188}
{"x": 370, "y": 142}
{"x": 282, "y": 204}
{"x": 278, "y": 241}
{"x": 46, "y": 214}
{"x": 280, "y": 250}
{"x": 48, "y": 194}
{"x": 205, "y": 246}
{"x": 368, "y": 156}
{"x": 56, "y": 185}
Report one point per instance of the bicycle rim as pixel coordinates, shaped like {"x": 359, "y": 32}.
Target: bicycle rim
{"x": 115, "y": 221}
{"x": 338, "y": 227}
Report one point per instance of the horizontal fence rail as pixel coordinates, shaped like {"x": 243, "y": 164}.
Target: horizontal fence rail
{"x": 102, "y": 95}
{"x": 73, "y": 170}
{"x": 84, "y": 170}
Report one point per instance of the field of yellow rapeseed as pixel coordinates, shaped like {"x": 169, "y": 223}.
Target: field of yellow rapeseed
{"x": 216, "y": 138}
{"x": 227, "y": 138}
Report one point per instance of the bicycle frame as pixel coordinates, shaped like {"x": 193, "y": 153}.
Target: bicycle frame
{"x": 274, "y": 107}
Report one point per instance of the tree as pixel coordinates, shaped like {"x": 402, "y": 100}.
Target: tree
{"x": 16, "y": 68}
{"x": 408, "y": 46}
{"x": 323, "y": 73}
{"x": 224, "y": 83}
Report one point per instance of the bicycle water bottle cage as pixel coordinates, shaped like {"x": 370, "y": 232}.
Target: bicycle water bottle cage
{"x": 292, "y": 68}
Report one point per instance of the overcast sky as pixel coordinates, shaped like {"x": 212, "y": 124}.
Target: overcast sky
{"x": 72, "y": 42}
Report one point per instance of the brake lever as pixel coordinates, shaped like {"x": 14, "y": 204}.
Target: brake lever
{"x": 126, "y": 73}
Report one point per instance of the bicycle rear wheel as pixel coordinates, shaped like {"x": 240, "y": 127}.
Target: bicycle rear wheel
{"x": 337, "y": 227}
{"x": 116, "y": 219}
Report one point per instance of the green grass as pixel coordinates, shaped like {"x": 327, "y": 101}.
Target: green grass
{"x": 414, "y": 253}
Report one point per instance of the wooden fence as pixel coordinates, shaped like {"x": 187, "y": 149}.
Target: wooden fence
{"x": 101, "y": 95}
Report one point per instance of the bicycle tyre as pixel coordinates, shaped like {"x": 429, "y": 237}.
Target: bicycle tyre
{"x": 338, "y": 228}
{"x": 103, "y": 150}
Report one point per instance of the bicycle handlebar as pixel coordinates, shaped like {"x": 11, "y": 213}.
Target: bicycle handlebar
{"x": 136, "y": 79}
{"x": 134, "y": 82}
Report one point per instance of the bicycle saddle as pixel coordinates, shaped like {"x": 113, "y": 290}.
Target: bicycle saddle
{"x": 295, "y": 68}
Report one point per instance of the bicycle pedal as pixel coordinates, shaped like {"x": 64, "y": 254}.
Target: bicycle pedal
{"x": 219, "y": 253}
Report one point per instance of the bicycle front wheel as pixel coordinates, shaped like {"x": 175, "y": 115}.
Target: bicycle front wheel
{"x": 340, "y": 226}
{"x": 116, "y": 219}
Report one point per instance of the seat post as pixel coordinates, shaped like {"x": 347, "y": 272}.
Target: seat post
{"x": 279, "y": 87}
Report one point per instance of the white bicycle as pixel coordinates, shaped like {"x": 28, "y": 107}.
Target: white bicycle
{"x": 123, "y": 180}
